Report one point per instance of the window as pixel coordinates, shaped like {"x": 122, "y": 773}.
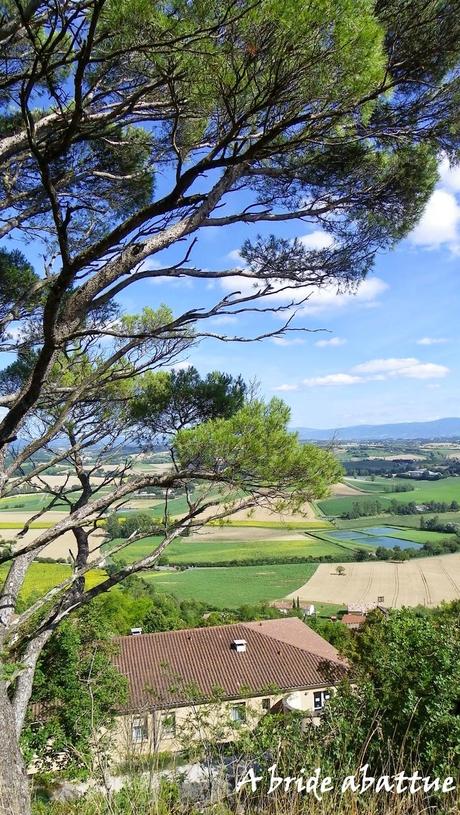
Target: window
{"x": 266, "y": 705}
{"x": 320, "y": 697}
{"x": 168, "y": 724}
{"x": 238, "y": 712}
{"x": 139, "y": 729}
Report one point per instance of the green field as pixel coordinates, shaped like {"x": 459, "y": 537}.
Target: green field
{"x": 286, "y": 525}
{"x": 403, "y": 521}
{"x": 31, "y": 501}
{"x": 184, "y": 552}
{"x": 378, "y": 485}
{"x": 447, "y": 489}
{"x": 233, "y": 586}
{"x": 223, "y": 551}
{"x": 43, "y": 576}
{"x": 420, "y": 535}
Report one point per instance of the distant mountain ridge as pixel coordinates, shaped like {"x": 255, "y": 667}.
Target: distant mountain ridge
{"x": 436, "y": 429}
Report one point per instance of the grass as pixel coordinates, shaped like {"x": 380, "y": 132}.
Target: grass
{"x": 420, "y": 535}
{"x": 378, "y": 485}
{"x": 275, "y": 524}
{"x": 403, "y": 521}
{"x": 30, "y": 501}
{"x": 184, "y": 552}
{"x": 233, "y": 586}
{"x": 447, "y": 489}
{"x": 137, "y": 550}
{"x": 41, "y": 577}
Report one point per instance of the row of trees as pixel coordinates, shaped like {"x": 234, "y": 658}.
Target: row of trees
{"x": 367, "y": 508}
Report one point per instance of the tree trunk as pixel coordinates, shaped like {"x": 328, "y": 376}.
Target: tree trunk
{"x": 14, "y": 786}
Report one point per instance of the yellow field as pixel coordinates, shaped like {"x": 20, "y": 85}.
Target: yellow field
{"x": 422, "y": 581}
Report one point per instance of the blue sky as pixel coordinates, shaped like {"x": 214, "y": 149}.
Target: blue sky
{"x": 388, "y": 353}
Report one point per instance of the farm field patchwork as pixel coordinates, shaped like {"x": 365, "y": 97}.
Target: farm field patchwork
{"x": 422, "y": 581}
{"x": 233, "y": 586}
{"x": 187, "y": 551}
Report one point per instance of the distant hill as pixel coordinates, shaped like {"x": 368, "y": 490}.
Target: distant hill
{"x": 437, "y": 429}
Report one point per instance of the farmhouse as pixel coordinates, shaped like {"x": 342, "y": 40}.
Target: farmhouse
{"x": 206, "y": 683}
{"x": 353, "y": 621}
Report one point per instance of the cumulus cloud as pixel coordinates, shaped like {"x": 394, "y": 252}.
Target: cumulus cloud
{"x": 379, "y": 370}
{"x": 439, "y": 223}
{"x": 408, "y": 368}
{"x": 334, "y": 342}
{"x": 449, "y": 175}
{"x": 317, "y": 240}
{"x": 333, "y": 379}
{"x": 224, "y": 319}
{"x": 285, "y": 388}
{"x": 236, "y": 257}
{"x": 327, "y": 298}
{"x": 320, "y": 299}
{"x": 432, "y": 341}
{"x": 284, "y": 341}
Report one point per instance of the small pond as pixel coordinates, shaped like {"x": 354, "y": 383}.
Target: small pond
{"x": 375, "y": 536}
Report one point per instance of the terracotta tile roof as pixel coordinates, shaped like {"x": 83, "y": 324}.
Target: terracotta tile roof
{"x": 353, "y": 619}
{"x": 294, "y": 632}
{"x": 177, "y": 667}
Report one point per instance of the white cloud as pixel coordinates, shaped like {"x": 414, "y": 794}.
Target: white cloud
{"x": 320, "y": 299}
{"x": 284, "y": 342}
{"x": 449, "y": 175}
{"x": 380, "y": 370}
{"x": 284, "y": 388}
{"x": 432, "y": 341}
{"x": 236, "y": 257}
{"x": 333, "y": 379}
{"x": 439, "y": 223}
{"x": 334, "y": 342}
{"x": 317, "y": 240}
{"x": 224, "y": 319}
{"x": 408, "y": 368}
{"x": 328, "y": 298}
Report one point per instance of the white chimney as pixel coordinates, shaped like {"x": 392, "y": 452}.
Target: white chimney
{"x": 239, "y": 646}
{"x": 136, "y": 631}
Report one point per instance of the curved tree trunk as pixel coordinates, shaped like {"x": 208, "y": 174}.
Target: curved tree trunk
{"x": 14, "y": 786}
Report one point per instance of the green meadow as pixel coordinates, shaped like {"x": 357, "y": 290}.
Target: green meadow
{"x": 183, "y": 552}
{"x": 233, "y": 586}
{"x": 286, "y": 525}
{"x": 446, "y": 489}
{"x": 403, "y": 521}
{"x": 30, "y": 502}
